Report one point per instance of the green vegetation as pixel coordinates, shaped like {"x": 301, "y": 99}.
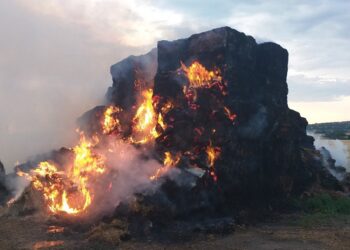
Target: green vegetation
{"x": 326, "y": 204}
{"x": 323, "y": 209}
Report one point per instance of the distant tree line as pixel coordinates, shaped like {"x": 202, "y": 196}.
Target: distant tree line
{"x": 332, "y": 130}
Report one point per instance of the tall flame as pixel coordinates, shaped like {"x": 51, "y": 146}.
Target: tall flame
{"x": 68, "y": 191}
{"x": 145, "y": 120}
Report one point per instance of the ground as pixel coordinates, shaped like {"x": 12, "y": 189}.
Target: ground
{"x": 30, "y": 232}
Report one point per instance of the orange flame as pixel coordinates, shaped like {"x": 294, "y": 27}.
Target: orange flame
{"x": 168, "y": 162}
{"x": 68, "y": 191}
{"x": 161, "y": 121}
{"x": 163, "y": 111}
{"x": 110, "y": 122}
{"x": 212, "y": 154}
{"x": 145, "y": 120}
{"x": 199, "y": 76}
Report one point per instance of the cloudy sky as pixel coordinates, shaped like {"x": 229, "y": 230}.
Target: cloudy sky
{"x": 55, "y": 56}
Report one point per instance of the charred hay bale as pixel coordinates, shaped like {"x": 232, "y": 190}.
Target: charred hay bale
{"x": 133, "y": 71}
{"x": 262, "y": 153}
{"x": 30, "y": 202}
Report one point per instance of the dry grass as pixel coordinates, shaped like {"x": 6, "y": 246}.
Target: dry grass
{"x": 111, "y": 234}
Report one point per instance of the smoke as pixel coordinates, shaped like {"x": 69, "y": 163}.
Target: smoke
{"x": 340, "y": 151}
{"x": 50, "y": 73}
{"x": 130, "y": 169}
{"x": 127, "y": 171}
{"x": 256, "y": 125}
{"x": 15, "y": 185}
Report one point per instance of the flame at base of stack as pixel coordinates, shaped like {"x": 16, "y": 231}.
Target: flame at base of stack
{"x": 68, "y": 190}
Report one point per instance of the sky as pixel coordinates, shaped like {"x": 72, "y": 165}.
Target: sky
{"x": 56, "y": 54}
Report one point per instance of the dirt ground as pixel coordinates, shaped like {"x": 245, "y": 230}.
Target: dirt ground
{"x": 29, "y": 233}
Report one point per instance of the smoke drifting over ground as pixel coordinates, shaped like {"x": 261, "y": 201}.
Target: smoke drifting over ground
{"x": 339, "y": 150}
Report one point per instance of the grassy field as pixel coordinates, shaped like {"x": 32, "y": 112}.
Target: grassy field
{"x": 323, "y": 209}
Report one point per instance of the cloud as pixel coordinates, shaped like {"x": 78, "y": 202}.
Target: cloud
{"x": 316, "y": 89}
{"x": 132, "y": 23}
{"x": 323, "y": 111}
{"x": 314, "y": 32}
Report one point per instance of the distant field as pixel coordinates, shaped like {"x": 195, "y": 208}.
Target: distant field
{"x": 332, "y": 130}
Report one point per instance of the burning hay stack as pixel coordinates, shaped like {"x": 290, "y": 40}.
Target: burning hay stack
{"x": 196, "y": 127}
{"x": 222, "y": 99}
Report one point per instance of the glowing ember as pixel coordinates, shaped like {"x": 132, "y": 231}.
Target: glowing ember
{"x": 55, "y": 229}
{"x": 229, "y": 114}
{"x": 167, "y": 107}
{"x": 212, "y": 154}
{"x": 110, "y": 122}
{"x": 47, "y": 244}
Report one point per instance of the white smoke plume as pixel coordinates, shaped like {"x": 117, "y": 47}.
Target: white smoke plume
{"x": 130, "y": 172}
{"x": 339, "y": 150}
